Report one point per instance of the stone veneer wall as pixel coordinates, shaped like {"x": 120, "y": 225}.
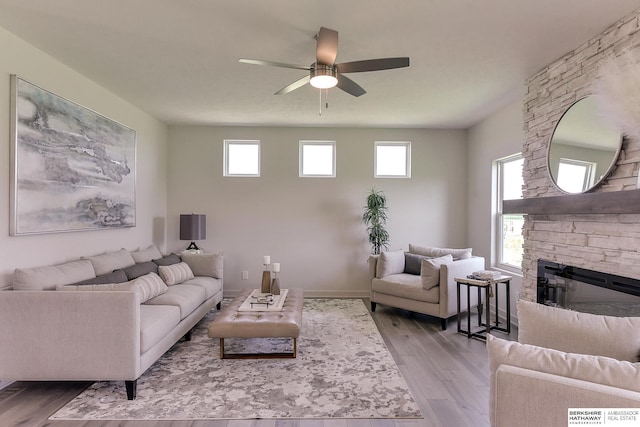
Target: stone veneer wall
{"x": 608, "y": 243}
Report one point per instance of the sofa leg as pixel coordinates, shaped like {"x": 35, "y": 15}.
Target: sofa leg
{"x": 131, "y": 389}
{"x": 443, "y": 323}
{"x": 373, "y": 306}
{"x": 219, "y": 306}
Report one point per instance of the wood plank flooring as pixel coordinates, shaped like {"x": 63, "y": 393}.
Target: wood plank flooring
{"x": 446, "y": 372}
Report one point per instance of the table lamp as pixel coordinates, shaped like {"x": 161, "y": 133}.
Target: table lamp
{"x": 193, "y": 227}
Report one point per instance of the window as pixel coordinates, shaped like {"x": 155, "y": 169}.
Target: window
{"x": 575, "y": 176}
{"x": 392, "y": 159}
{"x": 241, "y": 158}
{"x": 318, "y": 159}
{"x": 508, "y": 226}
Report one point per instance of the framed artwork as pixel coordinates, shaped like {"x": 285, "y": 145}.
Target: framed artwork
{"x": 72, "y": 168}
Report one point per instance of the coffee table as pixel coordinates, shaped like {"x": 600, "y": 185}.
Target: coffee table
{"x": 231, "y": 323}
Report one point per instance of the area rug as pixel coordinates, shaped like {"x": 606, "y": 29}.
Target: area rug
{"x": 343, "y": 370}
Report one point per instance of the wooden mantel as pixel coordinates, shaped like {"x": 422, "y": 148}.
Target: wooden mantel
{"x": 608, "y": 202}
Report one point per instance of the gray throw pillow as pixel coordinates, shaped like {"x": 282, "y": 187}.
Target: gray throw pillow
{"x": 168, "y": 260}
{"x": 140, "y": 269}
{"x": 117, "y": 276}
{"x": 413, "y": 263}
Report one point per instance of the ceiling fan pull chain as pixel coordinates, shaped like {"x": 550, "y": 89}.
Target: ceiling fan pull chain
{"x": 326, "y": 98}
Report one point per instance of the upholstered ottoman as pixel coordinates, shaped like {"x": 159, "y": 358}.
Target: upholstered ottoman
{"x": 231, "y": 323}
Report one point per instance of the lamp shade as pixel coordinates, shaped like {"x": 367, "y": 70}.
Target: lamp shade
{"x": 193, "y": 227}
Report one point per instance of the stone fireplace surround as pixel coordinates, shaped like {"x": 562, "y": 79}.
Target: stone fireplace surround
{"x": 598, "y": 241}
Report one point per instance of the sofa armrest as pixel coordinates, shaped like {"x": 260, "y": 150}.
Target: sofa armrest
{"x": 515, "y": 405}
{"x": 448, "y": 274}
{"x": 373, "y": 264}
{"x": 50, "y": 335}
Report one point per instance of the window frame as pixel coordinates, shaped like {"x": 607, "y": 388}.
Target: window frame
{"x": 306, "y": 142}
{"x": 406, "y": 144}
{"x": 225, "y": 166}
{"x": 499, "y": 216}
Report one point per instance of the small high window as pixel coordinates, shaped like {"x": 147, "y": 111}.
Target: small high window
{"x": 318, "y": 159}
{"x": 241, "y": 158}
{"x": 392, "y": 159}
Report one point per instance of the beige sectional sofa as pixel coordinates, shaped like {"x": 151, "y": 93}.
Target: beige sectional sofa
{"x": 105, "y": 317}
{"x": 564, "y": 359}
{"x": 422, "y": 280}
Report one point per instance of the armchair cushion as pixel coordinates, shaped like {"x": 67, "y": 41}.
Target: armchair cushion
{"x": 574, "y": 332}
{"x": 430, "y": 270}
{"x": 438, "y": 252}
{"x": 391, "y": 262}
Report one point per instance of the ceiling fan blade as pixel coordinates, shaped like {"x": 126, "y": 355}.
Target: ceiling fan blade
{"x": 327, "y": 46}
{"x": 373, "y": 65}
{"x": 349, "y": 86}
{"x": 274, "y": 64}
{"x": 293, "y": 86}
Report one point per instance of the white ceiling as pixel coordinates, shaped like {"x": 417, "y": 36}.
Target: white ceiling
{"x": 178, "y": 59}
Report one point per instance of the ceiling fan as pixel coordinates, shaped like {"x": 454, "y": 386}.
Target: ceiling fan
{"x": 325, "y": 73}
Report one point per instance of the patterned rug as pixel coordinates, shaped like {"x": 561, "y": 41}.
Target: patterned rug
{"x": 343, "y": 370}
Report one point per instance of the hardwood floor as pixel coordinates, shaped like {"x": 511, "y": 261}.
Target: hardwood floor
{"x": 446, "y": 372}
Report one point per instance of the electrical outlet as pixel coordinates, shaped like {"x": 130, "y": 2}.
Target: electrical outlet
{"x": 245, "y": 275}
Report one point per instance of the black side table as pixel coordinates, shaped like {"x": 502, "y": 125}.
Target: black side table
{"x": 487, "y": 285}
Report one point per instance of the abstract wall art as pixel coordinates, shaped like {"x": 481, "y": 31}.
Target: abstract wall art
{"x": 72, "y": 168}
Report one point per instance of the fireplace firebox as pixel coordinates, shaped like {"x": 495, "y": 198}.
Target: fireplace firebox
{"x": 587, "y": 291}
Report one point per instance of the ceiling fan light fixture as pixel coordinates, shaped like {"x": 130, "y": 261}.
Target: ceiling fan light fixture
{"x": 323, "y": 76}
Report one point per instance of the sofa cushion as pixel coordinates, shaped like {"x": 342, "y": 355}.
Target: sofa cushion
{"x": 596, "y": 369}
{"x": 47, "y": 278}
{"x": 211, "y": 285}
{"x": 140, "y": 269}
{"x": 148, "y": 254}
{"x": 412, "y": 263}
{"x": 117, "y": 276}
{"x": 205, "y": 264}
{"x": 438, "y": 252}
{"x": 110, "y": 261}
{"x": 391, "y": 262}
{"x": 430, "y": 270}
{"x": 176, "y": 273}
{"x": 156, "y": 321}
{"x": 168, "y": 260}
{"x": 186, "y": 297}
{"x": 575, "y": 332}
{"x": 406, "y": 286}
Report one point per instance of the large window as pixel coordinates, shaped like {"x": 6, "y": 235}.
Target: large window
{"x": 318, "y": 159}
{"x": 509, "y": 239}
{"x": 392, "y": 159}
{"x": 241, "y": 158}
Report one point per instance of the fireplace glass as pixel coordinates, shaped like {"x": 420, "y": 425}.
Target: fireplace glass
{"x": 587, "y": 291}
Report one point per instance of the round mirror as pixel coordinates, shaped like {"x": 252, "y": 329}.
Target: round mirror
{"x": 583, "y": 149}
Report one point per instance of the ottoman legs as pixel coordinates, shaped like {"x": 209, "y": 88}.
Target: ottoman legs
{"x": 291, "y": 355}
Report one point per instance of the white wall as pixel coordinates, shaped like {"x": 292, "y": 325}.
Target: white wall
{"x": 29, "y": 63}
{"x": 312, "y": 226}
{"x": 497, "y": 136}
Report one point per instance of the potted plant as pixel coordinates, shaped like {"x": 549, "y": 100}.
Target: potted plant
{"x": 375, "y": 218}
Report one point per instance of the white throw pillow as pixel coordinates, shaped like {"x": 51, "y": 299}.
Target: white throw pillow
{"x": 148, "y": 254}
{"x": 430, "y": 270}
{"x": 176, "y": 273}
{"x": 438, "y": 252}
{"x": 149, "y": 286}
{"x": 576, "y": 332}
{"x": 110, "y": 261}
{"x": 209, "y": 265}
{"x": 389, "y": 263}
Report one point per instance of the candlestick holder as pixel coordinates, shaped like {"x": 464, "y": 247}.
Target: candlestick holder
{"x": 265, "y": 288}
{"x": 275, "y": 285}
